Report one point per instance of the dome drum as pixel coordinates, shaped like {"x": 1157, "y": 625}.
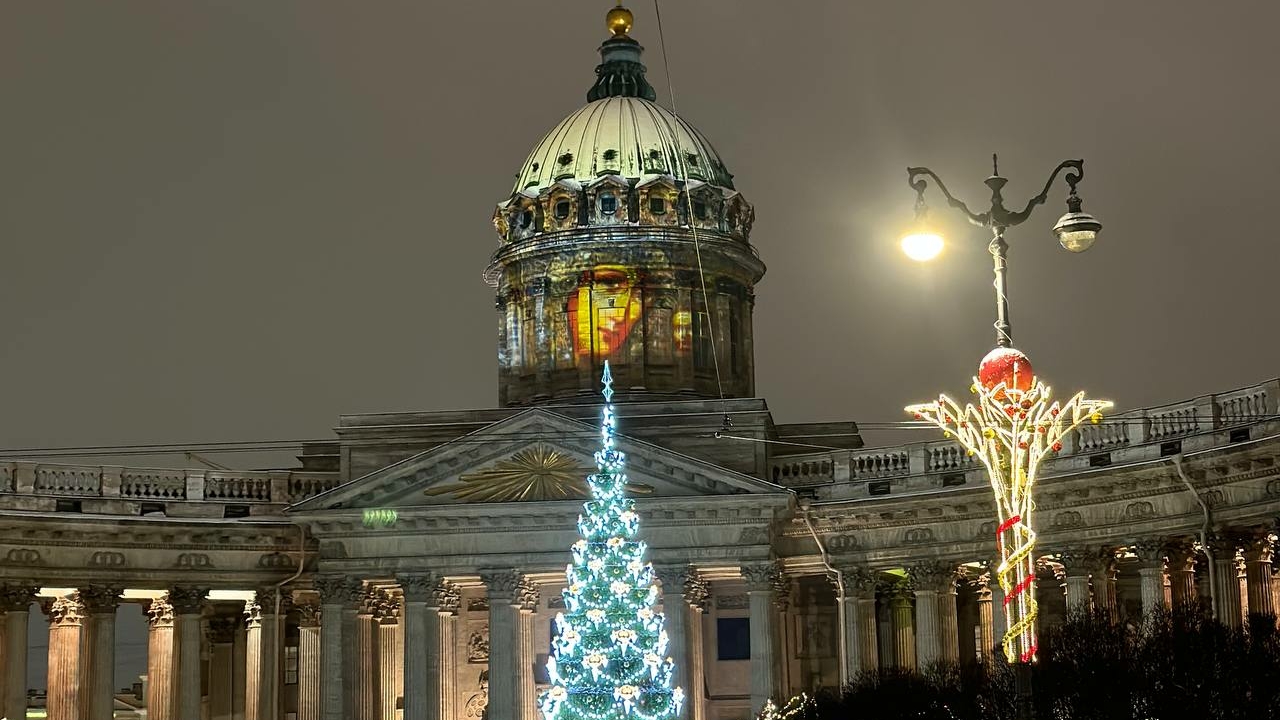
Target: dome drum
{"x": 634, "y": 297}
{"x": 611, "y": 200}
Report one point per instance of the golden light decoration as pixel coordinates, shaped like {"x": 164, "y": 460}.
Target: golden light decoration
{"x": 539, "y": 472}
{"x": 1011, "y": 429}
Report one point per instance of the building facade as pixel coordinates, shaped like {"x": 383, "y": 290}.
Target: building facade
{"x": 411, "y": 568}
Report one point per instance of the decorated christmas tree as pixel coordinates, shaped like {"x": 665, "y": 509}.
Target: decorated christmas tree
{"x": 609, "y": 657}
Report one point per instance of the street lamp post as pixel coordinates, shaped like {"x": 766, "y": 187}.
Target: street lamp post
{"x": 1013, "y": 425}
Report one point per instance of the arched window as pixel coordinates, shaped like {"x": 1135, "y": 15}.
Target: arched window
{"x": 526, "y": 219}
{"x": 700, "y": 209}
{"x": 562, "y": 209}
{"x": 657, "y": 205}
{"x": 608, "y": 204}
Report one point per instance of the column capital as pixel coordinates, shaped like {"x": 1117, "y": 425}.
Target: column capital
{"x": 386, "y": 609}
{"x": 502, "y": 584}
{"x": 858, "y": 581}
{"x": 159, "y": 612}
{"x": 100, "y": 599}
{"x": 932, "y": 575}
{"x": 345, "y": 590}
{"x": 1224, "y": 544}
{"x": 252, "y": 614}
{"x": 781, "y": 592}
{"x": 1259, "y": 549}
{"x": 1150, "y": 551}
{"x": 1078, "y": 559}
{"x": 419, "y": 587}
{"x": 187, "y": 600}
{"x": 308, "y": 614}
{"x": 674, "y": 577}
{"x": 17, "y": 596}
{"x": 64, "y": 611}
{"x": 760, "y": 575}
{"x": 897, "y": 592}
{"x": 527, "y": 595}
{"x": 222, "y": 629}
{"x": 697, "y": 592}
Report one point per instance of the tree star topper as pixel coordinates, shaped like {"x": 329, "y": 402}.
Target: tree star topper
{"x": 1011, "y": 429}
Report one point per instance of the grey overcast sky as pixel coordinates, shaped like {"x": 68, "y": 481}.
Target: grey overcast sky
{"x": 236, "y": 220}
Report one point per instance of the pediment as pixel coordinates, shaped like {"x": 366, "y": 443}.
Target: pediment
{"x": 537, "y": 455}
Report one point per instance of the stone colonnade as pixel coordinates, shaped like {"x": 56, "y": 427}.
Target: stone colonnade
{"x": 920, "y": 603}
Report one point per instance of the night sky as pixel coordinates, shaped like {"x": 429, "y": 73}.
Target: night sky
{"x": 236, "y": 220}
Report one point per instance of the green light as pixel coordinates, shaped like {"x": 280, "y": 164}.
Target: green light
{"x": 379, "y": 518}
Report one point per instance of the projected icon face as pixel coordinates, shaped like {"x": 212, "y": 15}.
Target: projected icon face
{"x": 607, "y": 293}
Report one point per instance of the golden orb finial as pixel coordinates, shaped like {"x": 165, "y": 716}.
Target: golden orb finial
{"x": 619, "y": 21}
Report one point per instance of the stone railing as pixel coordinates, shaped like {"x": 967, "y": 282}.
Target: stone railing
{"x": 1134, "y": 436}
{"x": 148, "y": 485}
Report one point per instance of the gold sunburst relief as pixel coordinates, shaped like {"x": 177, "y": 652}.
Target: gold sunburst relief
{"x": 534, "y": 473}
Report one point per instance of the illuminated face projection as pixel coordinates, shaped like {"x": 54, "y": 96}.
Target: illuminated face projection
{"x": 618, "y": 307}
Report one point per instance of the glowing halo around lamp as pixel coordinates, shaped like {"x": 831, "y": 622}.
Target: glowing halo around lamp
{"x": 922, "y": 245}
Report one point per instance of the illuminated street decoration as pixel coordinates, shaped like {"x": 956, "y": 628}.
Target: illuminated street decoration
{"x": 1011, "y": 429}
{"x": 609, "y": 657}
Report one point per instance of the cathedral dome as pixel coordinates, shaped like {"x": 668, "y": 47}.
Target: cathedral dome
{"x": 624, "y": 136}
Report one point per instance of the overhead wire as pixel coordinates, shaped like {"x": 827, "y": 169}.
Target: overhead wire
{"x": 683, "y": 178}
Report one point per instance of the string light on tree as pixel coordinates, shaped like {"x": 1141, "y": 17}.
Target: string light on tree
{"x": 1011, "y": 429}
{"x": 609, "y": 657}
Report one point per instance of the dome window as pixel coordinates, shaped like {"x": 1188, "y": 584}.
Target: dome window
{"x": 658, "y": 205}
{"x": 610, "y": 155}
{"x": 526, "y": 219}
{"x": 562, "y": 209}
{"x": 691, "y": 159}
{"x": 608, "y": 204}
{"x": 565, "y": 159}
{"x": 534, "y": 167}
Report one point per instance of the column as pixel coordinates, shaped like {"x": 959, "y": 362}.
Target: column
{"x": 161, "y": 662}
{"x": 899, "y": 598}
{"x": 1226, "y": 580}
{"x": 188, "y": 604}
{"x": 1104, "y": 585}
{"x": 337, "y": 595}
{"x": 948, "y": 622}
{"x": 926, "y": 577}
{"x": 449, "y": 599}
{"x": 422, "y": 691}
{"x": 675, "y": 612}
{"x": 986, "y": 617}
{"x": 221, "y": 635}
{"x": 526, "y": 689}
{"x": 370, "y": 704}
{"x": 239, "y": 661}
{"x": 781, "y": 633}
{"x": 697, "y": 593}
{"x": 66, "y": 615}
{"x": 15, "y": 602}
{"x": 1182, "y": 576}
{"x": 1257, "y": 567}
{"x": 999, "y": 614}
{"x": 387, "y": 618}
{"x": 1077, "y": 562}
{"x": 99, "y": 664}
{"x": 856, "y": 613}
{"x": 253, "y": 661}
{"x": 759, "y": 577}
{"x": 1151, "y": 559}
{"x": 309, "y": 668}
{"x": 503, "y": 587}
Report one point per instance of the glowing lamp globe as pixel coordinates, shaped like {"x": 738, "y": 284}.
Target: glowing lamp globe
{"x": 922, "y": 245}
{"x": 1008, "y": 366}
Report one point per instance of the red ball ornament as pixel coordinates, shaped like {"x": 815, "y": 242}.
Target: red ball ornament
{"x": 1008, "y": 366}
